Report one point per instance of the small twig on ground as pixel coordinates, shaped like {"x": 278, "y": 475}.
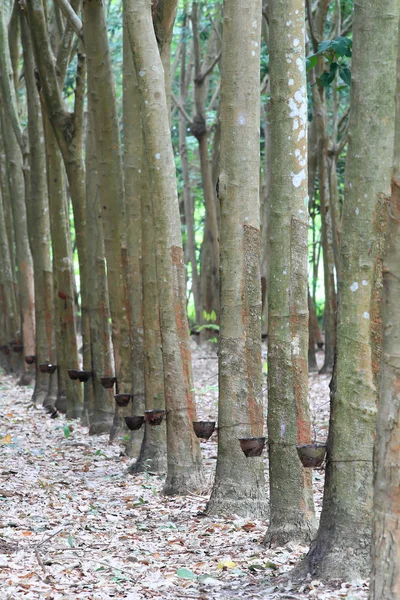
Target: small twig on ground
{"x": 41, "y": 563}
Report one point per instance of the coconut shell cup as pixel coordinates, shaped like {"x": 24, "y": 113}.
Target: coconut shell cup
{"x": 252, "y": 446}
{"x": 311, "y": 455}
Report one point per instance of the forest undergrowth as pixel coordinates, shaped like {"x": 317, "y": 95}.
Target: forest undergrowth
{"x": 74, "y": 524}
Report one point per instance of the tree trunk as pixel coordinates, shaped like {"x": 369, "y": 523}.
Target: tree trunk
{"x": 210, "y": 278}
{"x": 153, "y": 451}
{"x": 133, "y": 157}
{"x": 341, "y": 549}
{"x": 10, "y": 314}
{"x": 291, "y": 503}
{"x": 26, "y": 296}
{"x": 385, "y": 576}
{"x": 239, "y": 486}
{"x": 186, "y": 192}
{"x": 69, "y": 397}
{"x": 101, "y": 88}
{"x": 101, "y": 401}
{"x": 328, "y": 263}
{"x": 184, "y": 458}
{"x": 38, "y": 223}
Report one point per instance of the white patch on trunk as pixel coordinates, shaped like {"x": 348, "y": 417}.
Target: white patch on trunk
{"x": 157, "y": 156}
{"x": 142, "y": 73}
{"x": 354, "y": 286}
{"x": 366, "y": 315}
{"x": 296, "y": 345}
{"x": 297, "y": 178}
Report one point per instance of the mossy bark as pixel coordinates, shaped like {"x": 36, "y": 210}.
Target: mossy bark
{"x": 385, "y": 573}
{"x": 341, "y": 549}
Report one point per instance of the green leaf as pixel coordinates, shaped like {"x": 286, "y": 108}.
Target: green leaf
{"x": 324, "y": 46}
{"x": 253, "y": 568}
{"x": 345, "y": 74}
{"x": 341, "y": 45}
{"x": 186, "y": 574}
{"x": 67, "y": 431}
{"x": 311, "y": 61}
{"x": 327, "y": 78}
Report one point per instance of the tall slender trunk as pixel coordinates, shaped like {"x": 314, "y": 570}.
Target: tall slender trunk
{"x": 385, "y": 575}
{"x": 26, "y": 295}
{"x": 341, "y": 549}
{"x": 184, "y": 458}
{"x": 69, "y": 397}
{"x": 210, "y": 270}
{"x": 101, "y": 88}
{"x": 101, "y": 401}
{"x": 10, "y": 312}
{"x": 328, "y": 263}
{"x": 291, "y": 503}
{"x": 239, "y": 485}
{"x": 133, "y": 157}
{"x": 38, "y": 222}
{"x": 152, "y": 454}
{"x": 186, "y": 192}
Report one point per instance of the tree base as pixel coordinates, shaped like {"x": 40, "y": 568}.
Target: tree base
{"x": 302, "y": 532}
{"x": 132, "y": 448}
{"x": 155, "y": 463}
{"x": 183, "y": 481}
{"x": 40, "y": 397}
{"x": 61, "y": 403}
{"x": 99, "y": 427}
{"x": 330, "y": 561}
{"x": 232, "y": 500}
{"x": 25, "y": 379}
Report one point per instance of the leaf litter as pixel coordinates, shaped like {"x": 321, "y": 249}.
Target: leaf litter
{"x": 74, "y": 524}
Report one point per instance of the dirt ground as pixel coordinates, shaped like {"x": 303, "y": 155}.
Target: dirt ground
{"x": 74, "y": 524}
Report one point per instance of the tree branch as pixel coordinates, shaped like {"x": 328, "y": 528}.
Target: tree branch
{"x": 71, "y": 17}
{"x": 181, "y": 108}
{"x": 209, "y": 70}
{"x": 311, "y": 26}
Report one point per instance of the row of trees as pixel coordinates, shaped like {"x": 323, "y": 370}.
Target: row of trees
{"x": 80, "y": 175}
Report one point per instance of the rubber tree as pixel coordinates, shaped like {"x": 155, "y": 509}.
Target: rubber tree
{"x": 341, "y": 549}
{"x": 239, "y": 486}
{"x": 68, "y": 130}
{"x": 385, "y": 576}
{"x": 184, "y": 470}
{"x": 38, "y": 222}
{"x": 133, "y": 151}
{"x": 291, "y": 504}
{"x": 101, "y": 88}
{"x": 12, "y": 140}
{"x": 145, "y": 320}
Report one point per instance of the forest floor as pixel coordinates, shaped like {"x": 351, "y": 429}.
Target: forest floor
{"x": 73, "y": 524}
